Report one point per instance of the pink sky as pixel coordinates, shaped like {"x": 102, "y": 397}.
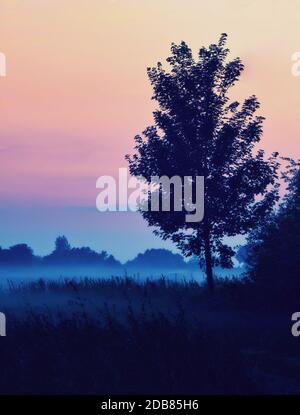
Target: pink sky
{"x": 76, "y": 90}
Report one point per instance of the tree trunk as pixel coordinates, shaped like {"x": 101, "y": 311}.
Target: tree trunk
{"x": 208, "y": 263}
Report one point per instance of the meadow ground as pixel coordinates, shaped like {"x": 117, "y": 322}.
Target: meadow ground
{"x": 122, "y": 336}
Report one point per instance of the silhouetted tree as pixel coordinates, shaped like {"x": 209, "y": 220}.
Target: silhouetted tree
{"x": 62, "y": 244}
{"x": 242, "y": 254}
{"x": 65, "y": 255}
{"x": 274, "y": 246}
{"x": 198, "y": 132}
{"x": 20, "y": 254}
{"x": 157, "y": 258}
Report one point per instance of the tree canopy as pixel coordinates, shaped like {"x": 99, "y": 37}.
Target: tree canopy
{"x": 199, "y": 131}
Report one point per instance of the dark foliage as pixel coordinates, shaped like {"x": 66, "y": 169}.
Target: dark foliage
{"x": 157, "y": 258}
{"x": 20, "y": 254}
{"x": 199, "y": 132}
{"x": 273, "y": 250}
{"x": 64, "y": 254}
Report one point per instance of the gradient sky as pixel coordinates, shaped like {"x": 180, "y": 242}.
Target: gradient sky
{"x": 76, "y": 93}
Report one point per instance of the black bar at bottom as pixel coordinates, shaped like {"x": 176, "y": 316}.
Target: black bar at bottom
{"x": 131, "y": 404}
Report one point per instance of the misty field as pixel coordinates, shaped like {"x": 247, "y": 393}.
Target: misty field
{"x": 120, "y": 336}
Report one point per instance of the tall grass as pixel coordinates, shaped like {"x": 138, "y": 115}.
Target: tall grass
{"x": 120, "y": 336}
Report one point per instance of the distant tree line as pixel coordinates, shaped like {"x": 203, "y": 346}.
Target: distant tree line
{"x": 63, "y": 254}
{"x": 66, "y": 255}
